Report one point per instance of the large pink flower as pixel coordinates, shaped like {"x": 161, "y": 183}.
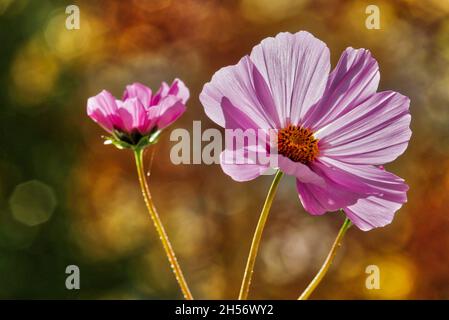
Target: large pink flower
{"x": 334, "y": 129}
{"x": 139, "y": 113}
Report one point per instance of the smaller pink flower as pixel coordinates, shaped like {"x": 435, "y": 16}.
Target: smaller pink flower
{"x": 139, "y": 114}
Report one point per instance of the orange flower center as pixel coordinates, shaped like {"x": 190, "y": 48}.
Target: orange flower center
{"x": 298, "y": 144}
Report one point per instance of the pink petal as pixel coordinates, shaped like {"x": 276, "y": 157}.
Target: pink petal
{"x": 312, "y": 201}
{"x": 318, "y": 200}
{"x": 102, "y": 109}
{"x": 354, "y": 79}
{"x": 295, "y": 68}
{"x": 376, "y": 132}
{"x": 161, "y": 93}
{"x": 302, "y": 172}
{"x": 99, "y": 117}
{"x": 368, "y": 179}
{"x": 241, "y": 167}
{"x": 243, "y": 86}
{"x": 140, "y": 91}
{"x": 179, "y": 89}
{"x": 235, "y": 118}
{"x": 372, "y": 212}
{"x": 166, "y": 112}
{"x": 134, "y": 116}
{"x": 346, "y": 184}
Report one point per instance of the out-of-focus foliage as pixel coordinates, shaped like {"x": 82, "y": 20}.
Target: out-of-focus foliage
{"x": 67, "y": 199}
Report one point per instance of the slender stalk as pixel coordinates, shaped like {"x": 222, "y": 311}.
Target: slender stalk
{"x": 244, "y": 289}
{"x": 138, "y": 153}
{"x": 327, "y": 263}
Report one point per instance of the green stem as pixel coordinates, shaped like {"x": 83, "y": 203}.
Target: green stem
{"x": 138, "y": 153}
{"x": 327, "y": 263}
{"x": 244, "y": 289}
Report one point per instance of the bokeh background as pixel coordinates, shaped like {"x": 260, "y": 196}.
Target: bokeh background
{"x": 65, "y": 198}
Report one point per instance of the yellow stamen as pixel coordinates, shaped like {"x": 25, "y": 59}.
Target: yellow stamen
{"x": 298, "y": 144}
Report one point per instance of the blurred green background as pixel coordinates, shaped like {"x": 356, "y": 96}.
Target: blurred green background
{"x": 65, "y": 198}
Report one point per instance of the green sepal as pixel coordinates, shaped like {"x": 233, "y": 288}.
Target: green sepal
{"x": 118, "y": 143}
{"x": 144, "y": 142}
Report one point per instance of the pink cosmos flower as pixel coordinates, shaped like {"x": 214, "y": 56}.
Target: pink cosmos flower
{"x": 334, "y": 129}
{"x": 139, "y": 114}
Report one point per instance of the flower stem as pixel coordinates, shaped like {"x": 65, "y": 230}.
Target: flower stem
{"x": 138, "y": 153}
{"x": 244, "y": 289}
{"x": 327, "y": 263}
